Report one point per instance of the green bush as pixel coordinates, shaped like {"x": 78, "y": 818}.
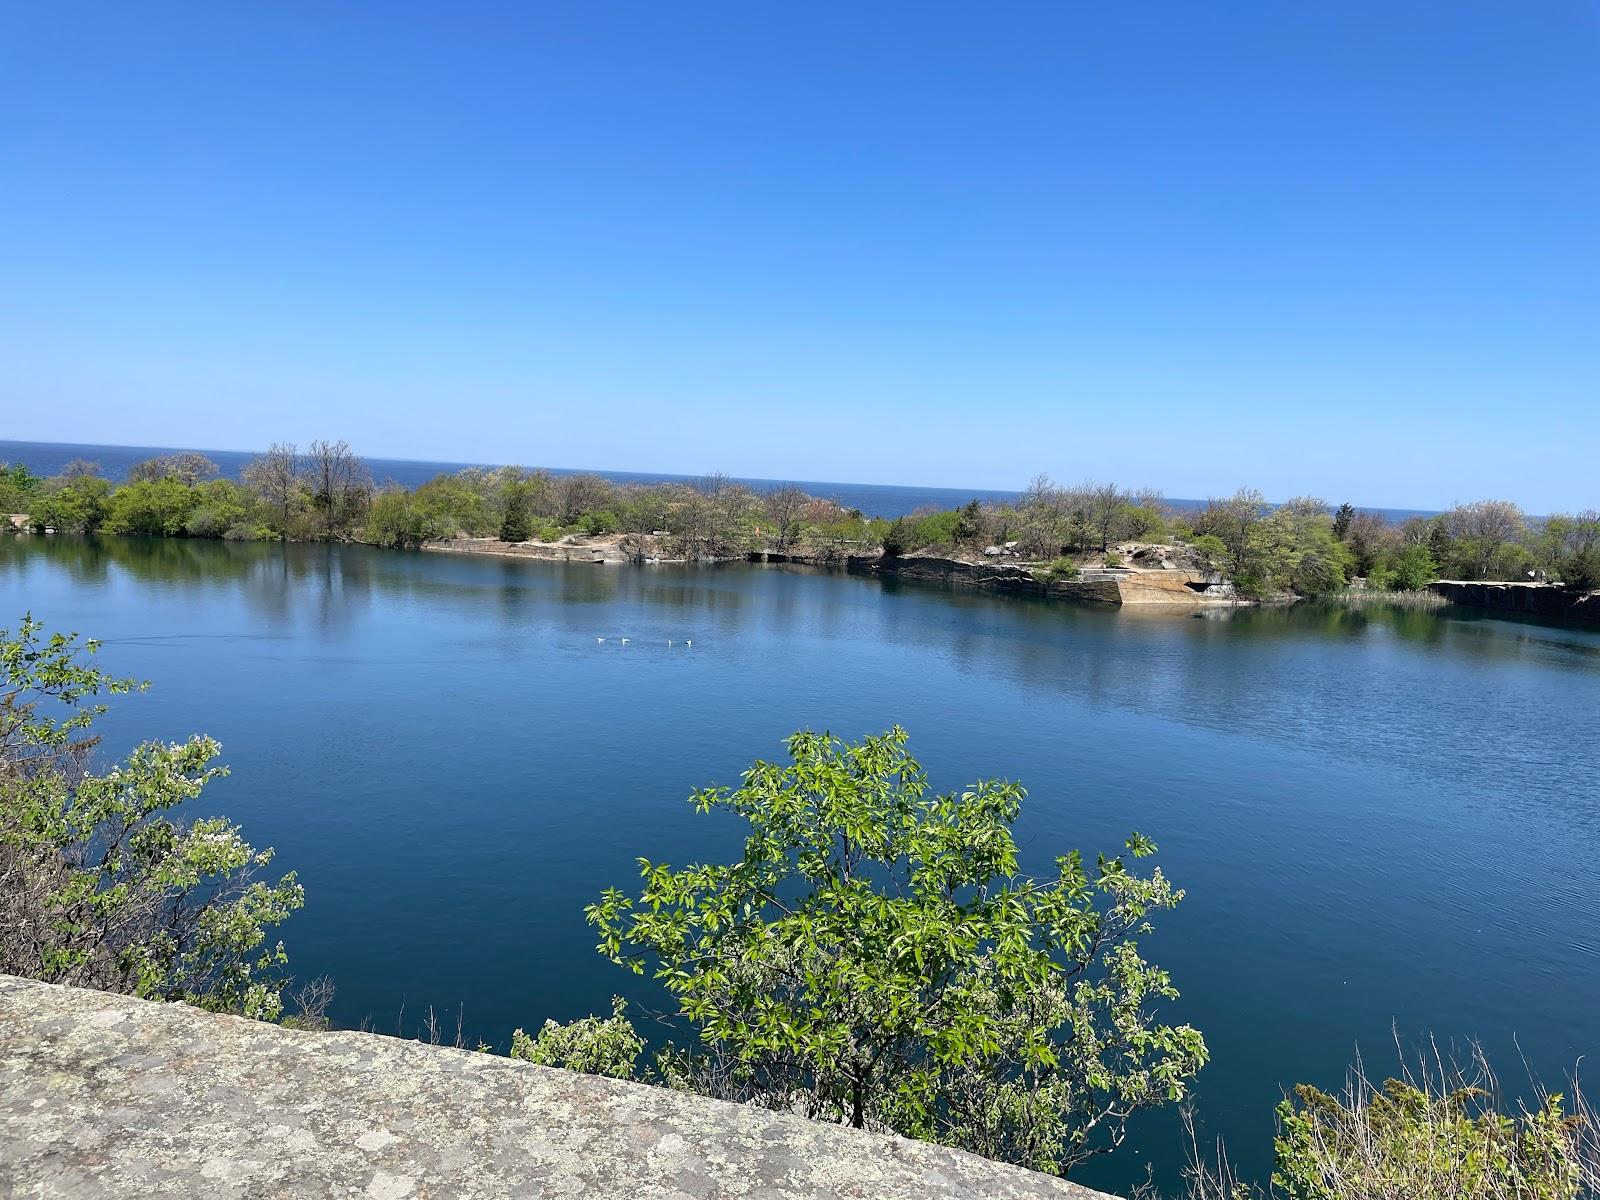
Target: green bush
{"x": 897, "y": 538}
{"x": 1415, "y": 569}
{"x": 1581, "y": 570}
{"x": 596, "y": 523}
{"x": 593, "y": 1045}
{"x": 77, "y": 507}
{"x": 1061, "y": 568}
{"x": 1113, "y": 559}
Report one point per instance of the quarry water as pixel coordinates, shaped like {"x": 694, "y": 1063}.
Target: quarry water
{"x": 1387, "y": 822}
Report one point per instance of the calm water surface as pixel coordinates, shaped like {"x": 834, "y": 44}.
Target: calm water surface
{"x": 1384, "y": 820}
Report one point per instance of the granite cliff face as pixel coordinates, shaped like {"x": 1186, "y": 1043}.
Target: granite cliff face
{"x": 1528, "y": 599}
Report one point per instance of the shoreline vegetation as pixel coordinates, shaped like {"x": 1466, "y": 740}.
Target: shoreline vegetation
{"x": 1094, "y": 542}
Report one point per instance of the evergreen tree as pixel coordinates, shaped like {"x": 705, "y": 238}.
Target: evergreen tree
{"x": 516, "y": 525}
{"x": 1341, "y": 521}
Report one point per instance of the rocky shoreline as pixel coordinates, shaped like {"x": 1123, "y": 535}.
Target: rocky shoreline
{"x": 1525, "y": 599}
{"x": 1171, "y": 587}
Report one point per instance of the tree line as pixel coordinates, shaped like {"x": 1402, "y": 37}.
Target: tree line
{"x": 1304, "y": 547}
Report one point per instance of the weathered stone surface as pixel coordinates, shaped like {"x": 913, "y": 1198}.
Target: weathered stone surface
{"x": 597, "y": 550}
{"x": 106, "y": 1096}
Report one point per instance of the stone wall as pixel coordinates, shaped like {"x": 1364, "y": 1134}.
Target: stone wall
{"x": 1529, "y": 599}
{"x": 106, "y": 1096}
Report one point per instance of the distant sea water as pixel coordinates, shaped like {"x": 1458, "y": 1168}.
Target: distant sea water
{"x": 873, "y": 499}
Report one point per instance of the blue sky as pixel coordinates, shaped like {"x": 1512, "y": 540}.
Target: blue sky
{"x": 1345, "y": 248}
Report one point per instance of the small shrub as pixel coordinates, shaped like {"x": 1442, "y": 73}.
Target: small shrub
{"x": 596, "y": 523}
{"x": 897, "y": 538}
{"x": 1061, "y": 568}
{"x": 1113, "y": 559}
{"x": 1439, "y": 1132}
{"x": 591, "y": 1045}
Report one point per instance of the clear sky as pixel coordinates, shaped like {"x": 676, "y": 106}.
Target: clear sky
{"x": 1348, "y": 248}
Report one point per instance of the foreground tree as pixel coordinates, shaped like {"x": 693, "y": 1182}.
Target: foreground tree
{"x": 875, "y": 959}
{"x": 99, "y": 885}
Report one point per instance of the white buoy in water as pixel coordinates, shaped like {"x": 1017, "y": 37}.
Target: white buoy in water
{"x": 669, "y": 641}
{"x": 599, "y": 639}
{"x": 688, "y": 642}
{"x": 624, "y": 641}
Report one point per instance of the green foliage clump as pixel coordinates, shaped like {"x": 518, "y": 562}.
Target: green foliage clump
{"x": 968, "y": 523}
{"x": 1581, "y": 569}
{"x": 1414, "y": 569}
{"x": 103, "y": 887}
{"x": 517, "y": 524}
{"x": 1113, "y": 559}
{"x": 1421, "y": 1144}
{"x": 1061, "y": 568}
{"x": 76, "y": 507}
{"x": 403, "y": 521}
{"x": 937, "y": 529}
{"x": 1211, "y": 547}
{"x": 897, "y": 538}
{"x": 17, "y": 488}
{"x": 875, "y": 958}
{"x": 592, "y": 1045}
{"x": 1438, "y": 1133}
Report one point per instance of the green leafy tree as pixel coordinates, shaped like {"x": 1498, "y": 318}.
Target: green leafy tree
{"x": 17, "y": 488}
{"x": 159, "y": 507}
{"x": 593, "y": 1045}
{"x": 1414, "y": 568}
{"x": 401, "y": 520}
{"x": 100, "y": 886}
{"x": 875, "y": 958}
{"x": 76, "y": 507}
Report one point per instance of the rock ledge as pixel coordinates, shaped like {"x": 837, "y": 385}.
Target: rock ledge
{"x": 103, "y": 1095}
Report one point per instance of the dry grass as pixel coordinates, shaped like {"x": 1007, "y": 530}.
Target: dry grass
{"x": 1422, "y": 599}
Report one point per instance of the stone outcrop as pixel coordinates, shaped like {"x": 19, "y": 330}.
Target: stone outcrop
{"x": 107, "y": 1096}
{"x": 597, "y": 550}
{"x": 1112, "y": 585}
{"x": 1528, "y": 599}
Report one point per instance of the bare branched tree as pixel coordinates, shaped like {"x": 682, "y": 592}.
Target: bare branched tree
{"x": 187, "y": 467}
{"x": 340, "y": 485}
{"x": 786, "y": 506}
{"x": 275, "y": 477}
